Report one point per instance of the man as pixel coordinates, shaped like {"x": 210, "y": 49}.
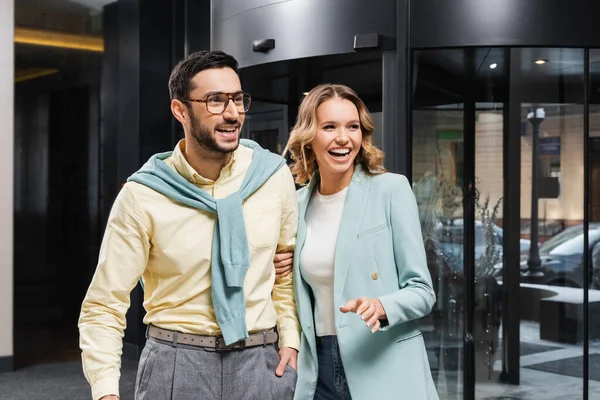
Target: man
{"x": 200, "y": 226}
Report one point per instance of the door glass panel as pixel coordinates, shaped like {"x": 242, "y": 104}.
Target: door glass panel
{"x": 266, "y": 124}
{"x": 518, "y": 93}
{"x": 594, "y": 213}
{"x": 551, "y": 95}
{"x": 437, "y": 156}
{"x": 489, "y": 195}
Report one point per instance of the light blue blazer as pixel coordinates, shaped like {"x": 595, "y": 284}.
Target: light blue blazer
{"x": 379, "y": 253}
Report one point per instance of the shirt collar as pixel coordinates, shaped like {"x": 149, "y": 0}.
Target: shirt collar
{"x": 185, "y": 169}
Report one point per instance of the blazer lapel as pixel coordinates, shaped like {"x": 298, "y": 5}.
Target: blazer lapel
{"x": 301, "y": 288}
{"x": 302, "y": 207}
{"x": 301, "y": 291}
{"x": 354, "y": 207}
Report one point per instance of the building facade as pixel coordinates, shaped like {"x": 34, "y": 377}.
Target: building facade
{"x": 490, "y": 108}
{"x": 473, "y": 101}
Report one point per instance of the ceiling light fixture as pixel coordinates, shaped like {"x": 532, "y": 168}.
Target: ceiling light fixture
{"x": 305, "y": 93}
{"x": 22, "y": 75}
{"x": 540, "y": 61}
{"x": 58, "y": 39}
{"x": 493, "y": 65}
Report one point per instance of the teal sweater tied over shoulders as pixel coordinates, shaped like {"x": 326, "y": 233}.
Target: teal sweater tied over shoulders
{"x": 230, "y": 253}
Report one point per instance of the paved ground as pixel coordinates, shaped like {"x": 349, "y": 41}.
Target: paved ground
{"x": 59, "y": 381}
{"x": 535, "y": 385}
{"x": 65, "y": 380}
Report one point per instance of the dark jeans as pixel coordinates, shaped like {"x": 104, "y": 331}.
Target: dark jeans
{"x": 332, "y": 383}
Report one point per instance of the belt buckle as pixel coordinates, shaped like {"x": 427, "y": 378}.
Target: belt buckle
{"x": 237, "y": 345}
{"x": 241, "y": 344}
{"x": 218, "y": 341}
{"x": 217, "y": 344}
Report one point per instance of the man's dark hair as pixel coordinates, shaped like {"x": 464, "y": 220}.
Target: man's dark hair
{"x": 180, "y": 82}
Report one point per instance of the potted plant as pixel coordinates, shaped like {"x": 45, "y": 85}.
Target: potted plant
{"x": 488, "y": 297}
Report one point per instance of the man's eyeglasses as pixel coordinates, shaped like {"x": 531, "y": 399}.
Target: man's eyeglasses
{"x": 217, "y": 103}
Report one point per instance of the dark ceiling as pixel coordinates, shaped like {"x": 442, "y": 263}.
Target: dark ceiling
{"x": 286, "y": 81}
{"x": 446, "y": 76}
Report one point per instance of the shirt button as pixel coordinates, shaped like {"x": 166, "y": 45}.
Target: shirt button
{"x": 375, "y": 275}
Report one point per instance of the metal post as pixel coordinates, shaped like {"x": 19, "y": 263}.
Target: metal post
{"x": 469, "y": 130}
{"x": 535, "y": 118}
{"x": 469, "y": 373}
{"x": 587, "y": 262}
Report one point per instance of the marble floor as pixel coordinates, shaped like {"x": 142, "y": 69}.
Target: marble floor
{"x": 535, "y": 384}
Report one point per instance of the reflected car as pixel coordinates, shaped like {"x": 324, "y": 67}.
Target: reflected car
{"x": 450, "y": 240}
{"x": 561, "y": 259}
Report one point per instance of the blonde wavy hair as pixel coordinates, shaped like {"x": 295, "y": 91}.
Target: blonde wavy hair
{"x": 305, "y": 129}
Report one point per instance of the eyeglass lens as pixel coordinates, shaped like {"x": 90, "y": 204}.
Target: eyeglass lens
{"x": 218, "y": 102}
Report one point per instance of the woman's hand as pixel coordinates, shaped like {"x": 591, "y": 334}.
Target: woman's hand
{"x": 370, "y": 310}
{"x": 284, "y": 263}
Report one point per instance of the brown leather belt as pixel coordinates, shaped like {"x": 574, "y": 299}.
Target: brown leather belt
{"x": 211, "y": 342}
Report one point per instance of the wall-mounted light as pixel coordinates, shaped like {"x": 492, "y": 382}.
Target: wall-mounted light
{"x": 263, "y": 45}
{"x": 493, "y": 65}
{"x": 540, "y": 61}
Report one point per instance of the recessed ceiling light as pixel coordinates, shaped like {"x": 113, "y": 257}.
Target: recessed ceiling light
{"x": 540, "y": 61}
{"x": 305, "y": 93}
{"x": 493, "y": 65}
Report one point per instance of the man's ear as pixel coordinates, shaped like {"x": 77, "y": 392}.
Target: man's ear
{"x": 180, "y": 111}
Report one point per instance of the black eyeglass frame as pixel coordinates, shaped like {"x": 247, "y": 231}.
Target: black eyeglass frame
{"x": 230, "y": 97}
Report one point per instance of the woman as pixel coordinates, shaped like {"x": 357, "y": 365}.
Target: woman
{"x": 360, "y": 270}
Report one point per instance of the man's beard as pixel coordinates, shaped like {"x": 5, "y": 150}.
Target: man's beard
{"x": 205, "y": 138}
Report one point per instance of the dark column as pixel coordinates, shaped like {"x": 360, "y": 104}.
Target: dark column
{"x": 197, "y": 25}
{"x": 392, "y": 132}
{"x": 143, "y": 42}
{"x": 68, "y": 208}
{"x": 144, "y": 123}
{"x": 512, "y": 224}
{"x": 468, "y": 186}
{"x": 396, "y": 78}
{"x": 178, "y": 52}
{"x": 109, "y": 111}
{"x": 93, "y": 184}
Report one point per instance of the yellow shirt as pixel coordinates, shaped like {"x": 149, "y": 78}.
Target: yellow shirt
{"x": 169, "y": 244}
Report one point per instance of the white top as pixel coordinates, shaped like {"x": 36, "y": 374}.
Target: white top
{"x": 323, "y": 218}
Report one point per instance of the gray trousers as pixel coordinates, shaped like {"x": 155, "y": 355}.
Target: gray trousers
{"x": 182, "y": 372}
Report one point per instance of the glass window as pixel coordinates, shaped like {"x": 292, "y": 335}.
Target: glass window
{"x": 437, "y": 155}
{"x": 482, "y": 97}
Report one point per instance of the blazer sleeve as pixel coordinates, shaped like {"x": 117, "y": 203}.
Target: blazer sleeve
{"x": 415, "y": 297}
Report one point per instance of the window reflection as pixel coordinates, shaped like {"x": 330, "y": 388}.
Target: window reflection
{"x": 550, "y": 314}
{"x": 437, "y": 173}
{"x": 57, "y": 145}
